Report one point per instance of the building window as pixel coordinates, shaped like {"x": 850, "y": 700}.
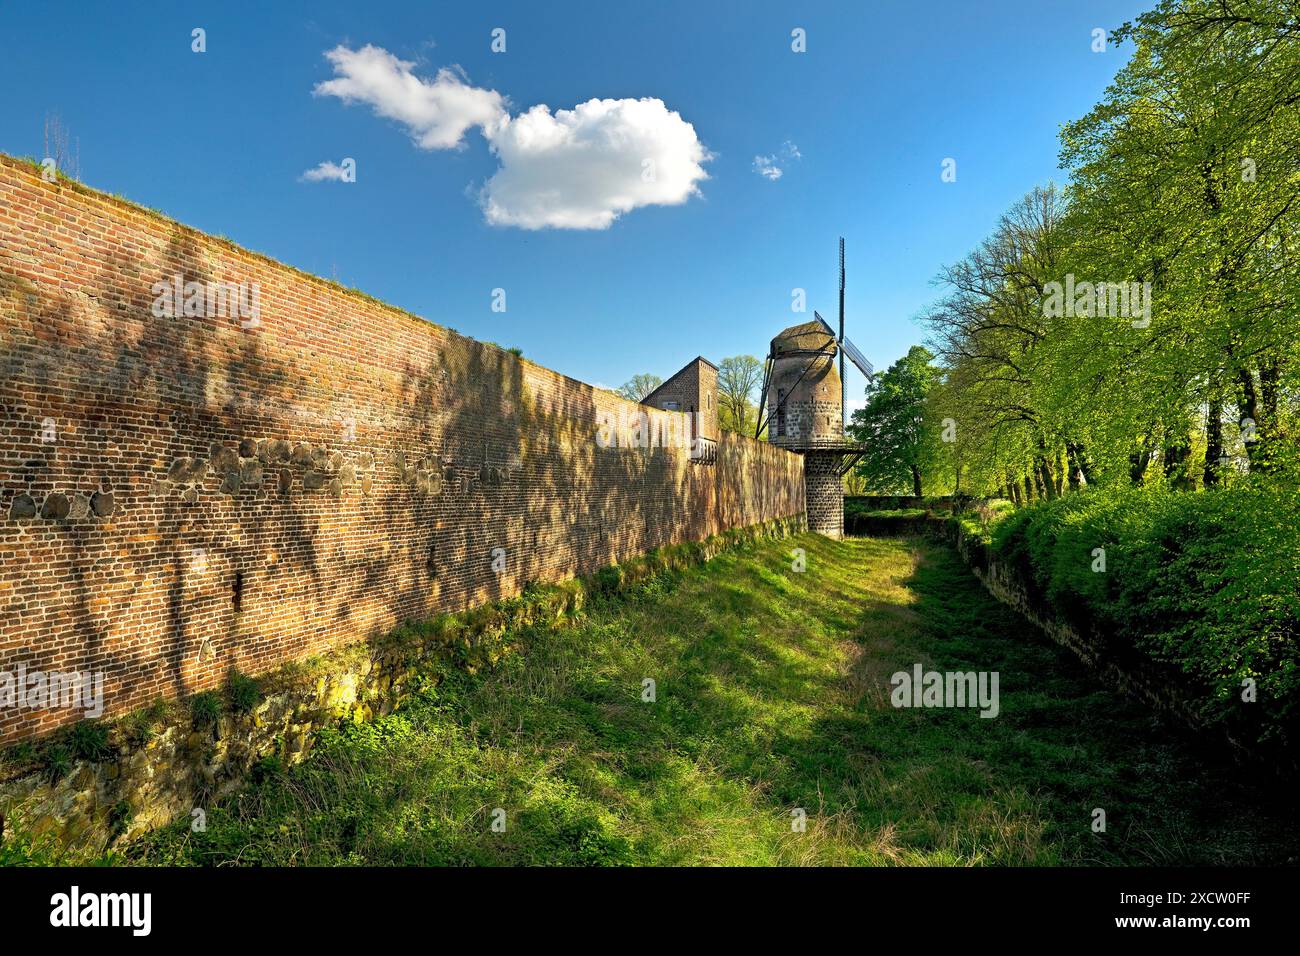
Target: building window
{"x": 780, "y": 412}
{"x": 708, "y": 401}
{"x": 672, "y": 406}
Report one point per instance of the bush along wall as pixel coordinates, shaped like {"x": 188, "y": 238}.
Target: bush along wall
{"x": 1201, "y": 590}
{"x": 1189, "y": 602}
{"x": 99, "y": 783}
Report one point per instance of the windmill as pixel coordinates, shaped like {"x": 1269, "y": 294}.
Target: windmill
{"x": 843, "y": 345}
{"x": 803, "y": 408}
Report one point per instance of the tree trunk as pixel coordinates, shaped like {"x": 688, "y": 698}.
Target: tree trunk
{"x": 1175, "y": 465}
{"x": 1137, "y": 466}
{"x": 1045, "y": 478}
{"x": 1251, "y": 426}
{"x": 916, "y": 481}
{"x": 1077, "y": 455}
{"x": 1074, "y": 467}
{"x": 1213, "y": 442}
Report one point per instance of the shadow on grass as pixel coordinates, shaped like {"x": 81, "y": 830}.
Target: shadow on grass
{"x": 770, "y": 740}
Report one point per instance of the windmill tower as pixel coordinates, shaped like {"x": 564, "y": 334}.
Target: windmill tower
{"x": 803, "y": 409}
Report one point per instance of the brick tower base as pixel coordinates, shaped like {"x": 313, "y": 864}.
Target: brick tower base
{"x": 824, "y": 491}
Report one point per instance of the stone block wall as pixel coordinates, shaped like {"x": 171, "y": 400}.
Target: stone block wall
{"x": 825, "y": 488}
{"x": 183, "y": 494}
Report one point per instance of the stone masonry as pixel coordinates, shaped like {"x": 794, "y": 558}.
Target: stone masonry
{"x": 825, "y": 489}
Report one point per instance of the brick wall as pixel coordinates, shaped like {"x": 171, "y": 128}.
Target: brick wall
{"x": 209, "y": 491}
{"x": 694, "y": 388}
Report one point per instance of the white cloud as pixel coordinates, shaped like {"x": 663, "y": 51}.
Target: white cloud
{"x": 773, "y": 167}
{"x": 572, "y": 169}
{"x": 436, "y": 114}
{"x": 325, "y": 171}
{"x": 583, "y": 168}
{"x": 766, "y": 167}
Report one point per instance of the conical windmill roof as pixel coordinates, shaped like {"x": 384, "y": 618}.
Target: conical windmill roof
{"x": 806, "y": 337}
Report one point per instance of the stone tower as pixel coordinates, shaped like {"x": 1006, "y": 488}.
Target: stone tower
{"x": 805, "y": 414}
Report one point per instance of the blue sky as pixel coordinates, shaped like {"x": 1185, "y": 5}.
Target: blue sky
{"x": 884, "y": 93}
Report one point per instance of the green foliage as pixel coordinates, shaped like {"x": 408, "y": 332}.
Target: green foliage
{"x": 15, "y": 759}
{"x": 266, "y": 768}
{"x": 639, "y": 386}
{"x": 902, "y": 446}
{"x": 609, "y": 579}
{"x": 205, "y": 709}
{"x": 739, "y": 378}
{"x": 141, "y": 726}
{"x": 1183, "y": 181}
{"x": 89, "y": 740}
{"x": 58, "y": 762}
{"x": 120, "y": 818}
{"x": 242, "y": 692}
{"x": 1205, "y": 582}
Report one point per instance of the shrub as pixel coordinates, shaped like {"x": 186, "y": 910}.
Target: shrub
{"x": 58, "y": 761}
{"x": 609, "y": 579}
{"x": 140, "y": 726}
{"x": 89, "y": 740}
{"x": 243, "y": 692}
{"x": 205, "y": 709}
{"x": 267, "y": 768}
{"x": 1208, "y": 582}
{"x": 120, "y": 817}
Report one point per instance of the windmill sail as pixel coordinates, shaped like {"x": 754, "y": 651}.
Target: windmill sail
{"x": 856, "y": 357}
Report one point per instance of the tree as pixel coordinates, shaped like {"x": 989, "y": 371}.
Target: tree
{"x": 1185, "y": 172}
{"x": 738, "y": 377}
{"x": 901, "y": 447}
{"x": 1183, "y": 191}
{"x": 992, "y": 336}
{"x": 639, "y": 386}
{"x": 59, "y": 147}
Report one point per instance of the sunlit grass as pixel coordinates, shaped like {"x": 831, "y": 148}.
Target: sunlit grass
{"x": 771, "y": 697}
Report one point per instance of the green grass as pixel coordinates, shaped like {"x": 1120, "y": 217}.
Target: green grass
{"x": 771, "y": 695}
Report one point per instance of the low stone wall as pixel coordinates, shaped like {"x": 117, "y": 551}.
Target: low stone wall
{"x": 175, "y": 769}
{"x": 887, "y": 526}
{"x": 898, "y": 502}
